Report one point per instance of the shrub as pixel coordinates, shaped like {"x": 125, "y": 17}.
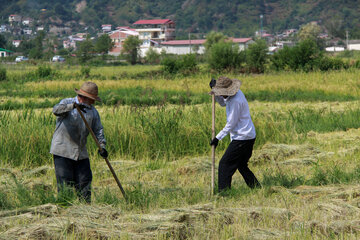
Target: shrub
{"x": 185, "y": 64}
{"x": 281, "y": 59}
{"x": 170, "y": 65}
{"x": 305, "y": 56}
{"x": 44, "y": 71}
{"x": 224, "y": 55}
{"x": 256, "y": 56}
{"x": 152, "y": 56}
{"x": 85, "y": 71}
{"x": 188, "y": 64}
{"x": 2, "y": 74}
{"x": 327, "y": 63}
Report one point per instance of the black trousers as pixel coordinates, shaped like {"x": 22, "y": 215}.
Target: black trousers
{"x": 74, "y": 174}
{"x": 236, "y": 157}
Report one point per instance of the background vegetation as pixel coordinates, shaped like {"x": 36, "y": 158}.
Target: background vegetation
{"x": 197, "y": 16}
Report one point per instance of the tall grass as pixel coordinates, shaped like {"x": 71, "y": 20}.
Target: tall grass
{"x": 162, "y": 132}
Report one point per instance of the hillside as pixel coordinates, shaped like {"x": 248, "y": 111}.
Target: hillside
{"x": 235, "y": 18}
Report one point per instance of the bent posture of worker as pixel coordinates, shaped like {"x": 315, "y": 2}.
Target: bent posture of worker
{"x": 242, "y": 133}
{"x": 68, "y": 146}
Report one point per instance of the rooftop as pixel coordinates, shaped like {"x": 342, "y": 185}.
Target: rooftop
{"x": 201, "y": 41}
{"x": 153, "y": 21}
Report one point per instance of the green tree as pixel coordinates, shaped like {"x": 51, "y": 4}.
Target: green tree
{"x": 37, "y": 51}
{"x": 311, "y": 31}
{"x": 256, "y": 56}
{"x": 2, "y": 41}
{"x": 103, "y": 44}
{"x": 306, "y": 54}
{"x": 224, "y": 55}
{"x": 152, "y": 56}
{"x": 86, "y": 48}
{"x": 131, "y": 49}
{"x": 212, "y": 38}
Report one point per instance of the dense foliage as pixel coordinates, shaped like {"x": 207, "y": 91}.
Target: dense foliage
{"x": 234, "y": 18}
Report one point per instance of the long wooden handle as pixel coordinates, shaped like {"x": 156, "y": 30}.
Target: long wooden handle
{"x": 213, "y": 147}
{"x": 99, "y": 146}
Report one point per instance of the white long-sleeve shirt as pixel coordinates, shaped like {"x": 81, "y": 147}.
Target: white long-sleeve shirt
{"x": 238, "y": 119}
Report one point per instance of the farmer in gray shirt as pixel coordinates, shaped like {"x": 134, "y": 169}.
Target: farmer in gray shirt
{"x": 241, "y": 129}
{"x": 68, "y": 146}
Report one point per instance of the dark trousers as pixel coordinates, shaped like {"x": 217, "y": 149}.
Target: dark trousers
{"x": 236, "y": 157}
{"x": 74, "y": 174}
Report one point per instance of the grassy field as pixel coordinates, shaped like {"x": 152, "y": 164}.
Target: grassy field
{"x": 158, "y": 131}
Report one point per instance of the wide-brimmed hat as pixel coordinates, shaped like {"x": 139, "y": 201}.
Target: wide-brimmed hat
{"x": 226, "y": 86}
{"x": 89, "y": 90}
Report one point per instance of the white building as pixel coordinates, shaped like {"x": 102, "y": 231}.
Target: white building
{"x": 14, "y": 18}
{"x": 335, "y": 49}
{"x": 5, "y": 52}
{"x": 27, "y": 21}
{"x": 153, "y": 32}
{"x": 3, "y": 28}
{"x": 181, "y": 47}
{"x": 72, "y": 41}
{"x": 27, "y": 31}
{"x": 353, "y": 45}
{"x": 106, "y": 27}
{"x": 16, "y": 43}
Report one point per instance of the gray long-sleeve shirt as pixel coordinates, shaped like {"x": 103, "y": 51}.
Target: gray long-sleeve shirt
{"x": 70, "y": 136}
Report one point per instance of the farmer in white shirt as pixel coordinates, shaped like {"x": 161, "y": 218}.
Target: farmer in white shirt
{"x": 241, "y": 129}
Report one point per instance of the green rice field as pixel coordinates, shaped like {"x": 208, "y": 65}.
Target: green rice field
{"x": 158, "y": 130}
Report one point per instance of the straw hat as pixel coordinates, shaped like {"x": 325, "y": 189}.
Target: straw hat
{"x": 226, "y": 86}
{"x": 90, "y": 90}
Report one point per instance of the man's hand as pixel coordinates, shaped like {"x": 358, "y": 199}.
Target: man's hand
{"x": 214, "y": 142}
{"x": 81, "y": 106}
{"x": 212, "y": 83}
{"x": 103, "y": 153}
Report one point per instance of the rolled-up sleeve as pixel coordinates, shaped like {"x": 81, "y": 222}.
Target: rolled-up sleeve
{"x": 62, "y": 108}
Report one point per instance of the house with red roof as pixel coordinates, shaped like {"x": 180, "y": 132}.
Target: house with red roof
{"x": 14, "y": 18}
{"x": 16, "y": 43}
{"x": 153, "y": 32}
{"x": 106, "y": 28}
{"x": 180, "y": 47}
{"x": 118, "y": 37}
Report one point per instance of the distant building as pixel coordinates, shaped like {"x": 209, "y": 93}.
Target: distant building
{"x": 16, "y": 43}
{"x": 106, "y": 28}
{"x": 153, "y": 32}
{"x": 335, "y": 49}
{"x": 14, "y": 18}
{"x": 353, "y": 45}
{"x": 289, "y": 32}
{"x": 3, "y": 28}
{"x": 81, "y": 35}
{"x": 72, "y": 42}
{"x": 27, "y": 21}
{"x": 5, "y": 52}
{"x": 27, "y": 31}
{"x": 180, "y": 47}
{"x": 282, "y": 44}
{"x": 40, "y": 28}
{"x": 118, "y": 37}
